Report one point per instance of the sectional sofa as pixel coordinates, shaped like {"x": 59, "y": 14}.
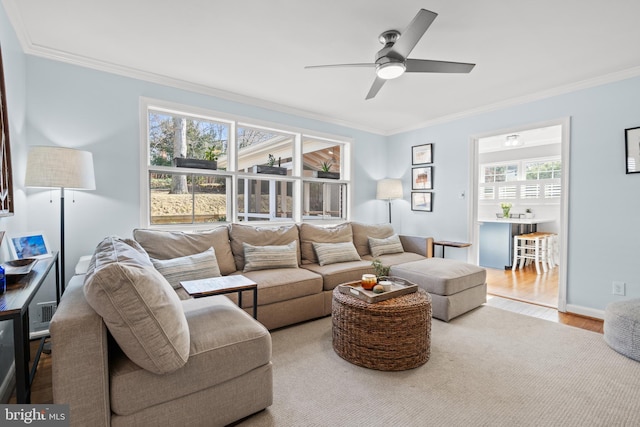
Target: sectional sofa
{"x": 131, "y": 347}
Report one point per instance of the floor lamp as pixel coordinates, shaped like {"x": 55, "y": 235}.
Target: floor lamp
{"x": 63, "y": 168}
{"x": 389, "y": 189}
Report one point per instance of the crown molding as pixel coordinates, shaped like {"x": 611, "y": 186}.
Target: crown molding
{"x": 86, "y": 62}
{"x": 560, "y": 90}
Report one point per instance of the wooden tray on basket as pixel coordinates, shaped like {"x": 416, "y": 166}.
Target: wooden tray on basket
{"x": 355, "y": 290}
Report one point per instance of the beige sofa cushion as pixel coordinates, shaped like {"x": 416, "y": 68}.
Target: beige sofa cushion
{"x": 310, "y": 234}
{"x": 362, "y": 232}
{"x": 225, "y": 344}
{"x": 389, "y": 245}
{"x": 343, "y": 272}
{"x": 162, "y": 244}
{"x": 138, "y": 306}
{"x": 280, "y": 284}
{"x": 191, "y": 267}
{"x": 256, "y": 235}
{"x": 270, "y": 256}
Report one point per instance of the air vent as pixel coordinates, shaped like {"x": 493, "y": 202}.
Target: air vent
{"x": 46, "y": 311}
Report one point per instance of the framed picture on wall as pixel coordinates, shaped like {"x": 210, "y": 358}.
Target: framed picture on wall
{"x": 421, "y": 154}
{"x": 29, "y": 245}
{"x": 421, "y": 201}
{"x": 422, "y": 178}
{"x": 632, "y": 149}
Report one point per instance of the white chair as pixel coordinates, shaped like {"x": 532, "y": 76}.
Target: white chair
{"x": 531, "y": 247}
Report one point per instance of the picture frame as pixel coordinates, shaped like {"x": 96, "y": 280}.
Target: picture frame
{"x": 421, "y": 154}
{"x": 422, "y": 201}
{"x": 632, "y": 149}
{"x": 422, "y": 178}
{"x": 29, "y": 245}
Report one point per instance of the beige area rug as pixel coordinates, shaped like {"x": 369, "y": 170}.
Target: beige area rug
{"x": 489, "y": 367}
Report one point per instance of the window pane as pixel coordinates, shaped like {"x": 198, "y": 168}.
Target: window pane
{"x": 178, "y": 136}
{"x": 260, "y": 147}
{"x": 321, "y": 156}
{"x": 187, "y": 198}
{"x": 324, "y": 200}
{"x": 264, "y": 200}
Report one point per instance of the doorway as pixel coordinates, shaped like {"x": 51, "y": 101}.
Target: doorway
{"x": 526, "y": 167}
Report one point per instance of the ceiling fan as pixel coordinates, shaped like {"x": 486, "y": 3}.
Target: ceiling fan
{"x": 391, "y": 61}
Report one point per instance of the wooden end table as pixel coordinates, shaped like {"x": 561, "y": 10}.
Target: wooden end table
{"x": 445, "y": 243}
{"x": 223, "y": 285}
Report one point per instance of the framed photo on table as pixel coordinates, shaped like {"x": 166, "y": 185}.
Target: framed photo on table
{"x": 421, "y": 201}
{"x": 422, "y": 178}
{"x": 632, "y": 149}
{"x": 29, "y": 245}
{"x": 421, "y": 154}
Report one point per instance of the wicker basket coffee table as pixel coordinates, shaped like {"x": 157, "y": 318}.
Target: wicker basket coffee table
{"x": 390, "y": 335}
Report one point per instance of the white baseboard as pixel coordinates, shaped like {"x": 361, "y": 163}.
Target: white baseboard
{"x": 8, "y": 383}
{"x": 585, "y": 311}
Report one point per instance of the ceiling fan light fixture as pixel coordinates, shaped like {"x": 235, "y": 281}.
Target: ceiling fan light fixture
{"x": 390, "y": 70}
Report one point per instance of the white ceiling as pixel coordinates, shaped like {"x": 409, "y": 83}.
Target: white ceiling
{"x": 255, "y": 51}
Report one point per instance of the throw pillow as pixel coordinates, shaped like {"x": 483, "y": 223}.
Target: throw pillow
{"x": 191, "y": 267}
{"x": 164, "y": 244}
{"x": 141, "y": 310}
{"x": 271, "y": 256}
{"x": 332, "y": 253}
{"x": 310, "y": 234}
{"x": 258, "y": 235}
{"x": 390, "y": 245}
{"x": 362, "y": 232}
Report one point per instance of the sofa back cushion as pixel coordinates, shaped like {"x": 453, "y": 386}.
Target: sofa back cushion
{"x": 161, "y": 244}
{"x": 259, "y": 236}
{"x": 191, "y": 267}
{"x": 310, "y": 234}
{"x": 141, "y": 310}
{"x": 270, "y": 256}
{"x": 362, "y": 232}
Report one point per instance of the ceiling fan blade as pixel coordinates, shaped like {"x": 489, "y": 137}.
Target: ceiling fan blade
{"x": 429, "y": 66}
{"x": 341, "y": 65}
{"x": 375, "y": 87}
{"x": 414, "y": 32}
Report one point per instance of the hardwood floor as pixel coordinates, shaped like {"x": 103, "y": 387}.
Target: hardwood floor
{"x": 525, "y": 285}
{"x": 42, "y": 392}
{"x": 526, "y": 292}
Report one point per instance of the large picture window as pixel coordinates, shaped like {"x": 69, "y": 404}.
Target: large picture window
{"x": 204, "y": 167}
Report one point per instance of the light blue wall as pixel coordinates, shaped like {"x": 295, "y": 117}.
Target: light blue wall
{"x": 603, "y": 203}
{"x": 96, "y": 111}
{"x": 14, "y": 65}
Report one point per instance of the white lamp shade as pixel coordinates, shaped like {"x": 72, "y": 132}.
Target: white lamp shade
{"x": 60, "y": 167}
{"x": 389, "y": 189}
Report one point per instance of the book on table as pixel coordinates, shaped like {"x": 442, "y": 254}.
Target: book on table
{"x": 217, "y": 284}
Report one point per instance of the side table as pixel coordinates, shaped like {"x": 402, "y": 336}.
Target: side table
{"x": 223, "y": 285}
{"x": 445, "y": 243}
{"x": 14, "y": 305}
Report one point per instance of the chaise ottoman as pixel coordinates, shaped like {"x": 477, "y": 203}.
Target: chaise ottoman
{"x": 455, "y": 286}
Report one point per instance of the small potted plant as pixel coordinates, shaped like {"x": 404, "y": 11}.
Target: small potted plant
{"x": 270, "y": 167}
{"x": 528, "y": 213}
{"x": 380, "y": 269}
{"x": 506, "y": 207}
{"x": 325, "y": 171}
